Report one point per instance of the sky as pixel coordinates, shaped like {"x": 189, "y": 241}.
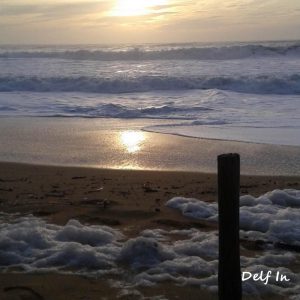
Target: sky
{"x": 141, "y": 21}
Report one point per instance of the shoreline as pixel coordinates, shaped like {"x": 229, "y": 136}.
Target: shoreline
{"x": 93, "y": 143}
{"x": 162, "y": 171}
{"x": 144, "y": 129}
{"x": 217, "y": 139}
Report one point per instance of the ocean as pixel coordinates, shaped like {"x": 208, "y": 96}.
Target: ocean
{"x": 233, "y": 91}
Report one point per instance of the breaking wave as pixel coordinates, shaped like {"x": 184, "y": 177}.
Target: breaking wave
{"x": 110, "y": 110}
{"x": 261, "y": 84}
{"x": 163, "y": 53}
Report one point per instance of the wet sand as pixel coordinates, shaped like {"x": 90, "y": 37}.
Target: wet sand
{"x": 105, "y": 143}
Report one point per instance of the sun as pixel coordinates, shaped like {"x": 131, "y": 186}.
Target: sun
{"x": 135, "y": 7}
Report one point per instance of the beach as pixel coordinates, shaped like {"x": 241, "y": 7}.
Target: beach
{"x": 108, "y": 168}
{"x": 131, "y": 201}
{"x": 135, "y": 199}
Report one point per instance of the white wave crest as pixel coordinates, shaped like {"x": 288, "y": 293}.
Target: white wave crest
{"x": 178, "y": 52}
{"x": 261, "y": 84}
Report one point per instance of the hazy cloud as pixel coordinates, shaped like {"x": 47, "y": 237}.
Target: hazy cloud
{"x": 176, "y": 20}
{"x": 55, "y": 10}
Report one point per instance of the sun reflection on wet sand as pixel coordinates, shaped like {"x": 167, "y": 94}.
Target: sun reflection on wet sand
{"x": 132, "y": 140}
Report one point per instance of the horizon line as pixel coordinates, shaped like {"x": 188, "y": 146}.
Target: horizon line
{"x": 152, "y": 43}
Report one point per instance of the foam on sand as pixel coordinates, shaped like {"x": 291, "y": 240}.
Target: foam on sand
{"x": 144, "y": 252}
{"x": 184, "y": 257}
{"x": 31, "y": 243}
{"x": 274, "y": 216}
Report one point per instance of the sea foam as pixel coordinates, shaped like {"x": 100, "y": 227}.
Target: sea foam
{"x": 184, "y": 257}
{"x": 274, "y": 216}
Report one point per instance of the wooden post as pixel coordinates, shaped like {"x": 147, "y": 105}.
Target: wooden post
{"x": 229, "y": 277}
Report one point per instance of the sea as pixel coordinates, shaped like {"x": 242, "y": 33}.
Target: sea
{"x": 233, "y": 91}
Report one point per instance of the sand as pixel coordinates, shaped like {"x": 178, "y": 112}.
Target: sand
{"x": 128, "y": 200}
{"x": 65, "y": 287}
{"x": 122, "y": 198}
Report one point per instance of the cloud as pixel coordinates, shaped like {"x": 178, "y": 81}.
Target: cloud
{"x": 111, "y": 20}
{"x": 54, "y": 11}
{"x": 174, "y": 5}
{"x": 176, "y": 20}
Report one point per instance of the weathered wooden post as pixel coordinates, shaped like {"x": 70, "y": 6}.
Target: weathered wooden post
{"x": 229, "y": 277}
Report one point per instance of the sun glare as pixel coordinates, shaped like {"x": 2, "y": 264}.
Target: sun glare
{"x": 135, "y": 7}
{"x": 132, "y": 140}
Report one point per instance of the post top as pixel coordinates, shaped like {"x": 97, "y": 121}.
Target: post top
{"x": 228, "y": 155}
